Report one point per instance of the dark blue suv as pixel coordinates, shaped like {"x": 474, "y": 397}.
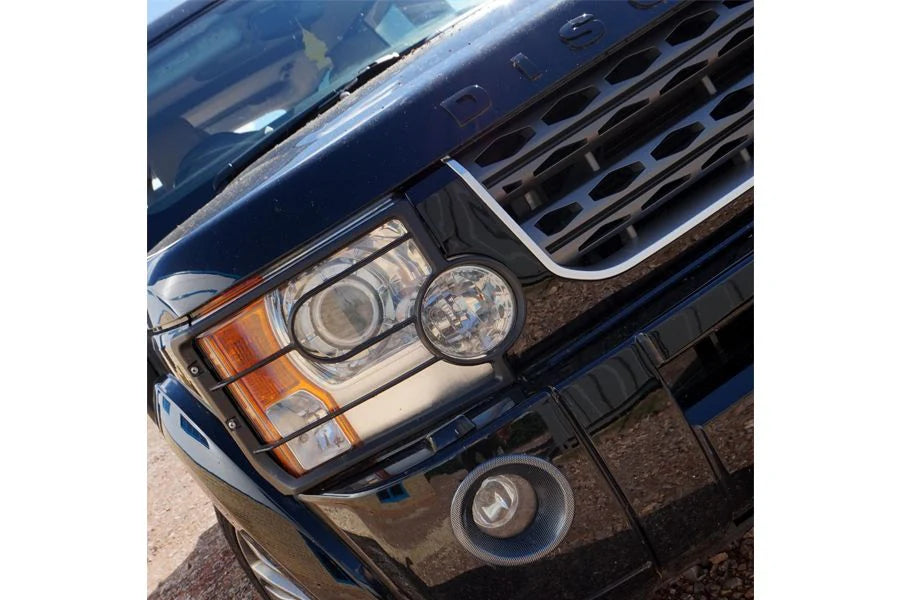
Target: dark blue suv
{"x": 451, "y": 298}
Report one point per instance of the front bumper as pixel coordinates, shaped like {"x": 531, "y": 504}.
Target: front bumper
{"x": 652, "y": 489}
{"x": 654, "y": 435}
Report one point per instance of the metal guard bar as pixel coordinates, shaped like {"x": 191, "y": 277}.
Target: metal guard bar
{"x": 350, "y": 405}
{"x": 296, "y": 346}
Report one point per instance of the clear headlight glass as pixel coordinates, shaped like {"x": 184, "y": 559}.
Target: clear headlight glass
{"x": 317, "y": 445}
{"x": 355, "y": 307}
{"x": 467, "y": 311}
{"x": 504, "y": 505}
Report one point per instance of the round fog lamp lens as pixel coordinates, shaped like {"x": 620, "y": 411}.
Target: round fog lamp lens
{"x": 504, "y": 505}
{"x": 468, "y": 311}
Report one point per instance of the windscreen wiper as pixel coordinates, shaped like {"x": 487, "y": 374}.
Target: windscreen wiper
{"x": 245, "y": 159}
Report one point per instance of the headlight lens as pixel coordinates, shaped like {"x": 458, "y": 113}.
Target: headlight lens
{"x": 354, "y": 308}
{"x": 313, "y": 447}
{"x": 468, "y": 311}
{"x": 504, "y": 505}
{"x": 343, "y": 316}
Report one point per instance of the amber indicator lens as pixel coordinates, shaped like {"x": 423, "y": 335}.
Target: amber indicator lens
{"x": 276, "y": 397}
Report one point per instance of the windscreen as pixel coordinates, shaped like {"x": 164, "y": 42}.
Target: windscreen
{"x": 221, "y": 82}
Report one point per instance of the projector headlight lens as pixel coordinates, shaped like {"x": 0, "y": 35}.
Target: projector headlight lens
{"x": 355, "y": 307}
{"x": 467, "y": 312}
{"x": 346, "y": 314}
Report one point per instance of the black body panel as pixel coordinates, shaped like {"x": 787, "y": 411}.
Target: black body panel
{"x": 637, "y": 387}
{"x": 349, "y": 157}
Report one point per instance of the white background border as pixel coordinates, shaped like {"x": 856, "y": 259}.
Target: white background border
{"x": 72, "y": 245}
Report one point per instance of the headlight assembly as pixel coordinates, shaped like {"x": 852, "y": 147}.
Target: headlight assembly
{"x": 347, "y": 315}
{"x": 362, "y": 319}
{"x": 318, "y": 445}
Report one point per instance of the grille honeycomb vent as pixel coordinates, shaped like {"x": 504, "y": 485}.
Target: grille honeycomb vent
{"x": 581, "y": 169}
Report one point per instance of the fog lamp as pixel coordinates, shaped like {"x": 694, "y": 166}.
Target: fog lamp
{"x": 504, "y": 505}
{"x": 468, "y": 312}
{"x": 512, "y": 509}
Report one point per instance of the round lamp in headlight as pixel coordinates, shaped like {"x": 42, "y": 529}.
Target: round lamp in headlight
{"x": 347, "y": 313}
{"x": 504, "y": 505}
{"x": 467, "y": 312}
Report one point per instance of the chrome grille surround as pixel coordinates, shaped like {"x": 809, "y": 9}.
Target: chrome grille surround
{"x": 623, "y": 159}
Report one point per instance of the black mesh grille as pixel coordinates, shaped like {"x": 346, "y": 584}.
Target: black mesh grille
{"x": 582, "y": 168}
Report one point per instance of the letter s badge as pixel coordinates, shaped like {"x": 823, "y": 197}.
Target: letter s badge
{"x": 582, "y": 31}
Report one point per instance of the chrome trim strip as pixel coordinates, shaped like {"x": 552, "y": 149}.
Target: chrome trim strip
{"x": 593, "y": 274}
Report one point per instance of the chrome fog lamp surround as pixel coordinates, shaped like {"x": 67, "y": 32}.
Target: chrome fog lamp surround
{"x": 526, "y": 542}
{"x": 470, "y": 312}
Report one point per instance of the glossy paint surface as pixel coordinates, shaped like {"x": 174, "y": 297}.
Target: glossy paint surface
{"x": 731, "y": 434}
{"x": 291, "y": 534}
{"x": 652, "y": 492}
{"x": 559, "y": 309}
{"x": 411, "y": 539}
{"x": 663, "y": 474}
{"x": 350, "y": 157}
{"x": 642, "y": 437}
{"x": 636, "y": 388}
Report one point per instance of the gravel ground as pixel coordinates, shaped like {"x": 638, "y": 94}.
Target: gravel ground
{"x": 728, "y": 574}
{"x": 189, "y": 559}
{"x": 187, "y": 555}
